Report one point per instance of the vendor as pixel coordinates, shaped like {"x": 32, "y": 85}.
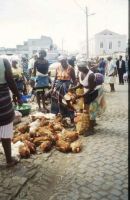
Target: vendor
{"x": 19, "y": 79}
{"x": 64, "y": 78}
{"x": 6, "y": 109}
{"x": 111, "y": 73}
{"x": 93, "y": 93}
{"x": 41, "y": 67}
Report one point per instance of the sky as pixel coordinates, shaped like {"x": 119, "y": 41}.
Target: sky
{"x": 63, "y": 20}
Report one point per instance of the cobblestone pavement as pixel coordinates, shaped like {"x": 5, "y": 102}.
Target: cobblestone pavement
{"x": 99, "y": 172}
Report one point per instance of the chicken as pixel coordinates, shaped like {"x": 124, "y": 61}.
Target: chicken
{"x": 38, "y": 140}
{"x": 58, "y": 118}
{"x": 46, "y": 146}
{"x": 69, "y": 96}
{"x": 60, "y": 136}
{"x": 82, "y": 122}
{"x": 34, "y": 127}
{"x": 76, "y": 146}
{"x": 57, "y": 126}
{"x": 21, "y": 137}
{"x": 23, "y": 128}
{"x": 63, "y": 146}
{"x": 70, "y": 136}
{"x": 31, "y": 146}
{"x": 54, "y": 138}
{"x": 66, "y": 122}
{"x": 44, "y": 122}
{"x": 38, "y": 115}
{"x": 16, "y": 139}
{"x": 24, "y": 151}
{"x": 42, "y": 131}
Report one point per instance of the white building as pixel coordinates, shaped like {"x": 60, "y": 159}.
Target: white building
{"x": 34, "y": 45}
{"x": 31, "y": 46}
{"x": 107, "y": 43}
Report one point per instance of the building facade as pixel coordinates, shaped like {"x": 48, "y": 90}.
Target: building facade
{"x": 30, "y": 46}
{"x": 107, "y": 43}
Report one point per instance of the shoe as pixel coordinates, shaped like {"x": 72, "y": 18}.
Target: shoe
{"x": 12, "y": 163}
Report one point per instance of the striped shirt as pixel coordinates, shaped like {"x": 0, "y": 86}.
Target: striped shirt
{"x": 6, "y": 108}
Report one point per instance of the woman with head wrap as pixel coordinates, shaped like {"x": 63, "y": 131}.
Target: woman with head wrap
{"x": 64, "y": 78}
{"x": 93, "y": 93}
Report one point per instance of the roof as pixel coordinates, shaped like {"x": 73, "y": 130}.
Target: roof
{"x": 107, "y": 32}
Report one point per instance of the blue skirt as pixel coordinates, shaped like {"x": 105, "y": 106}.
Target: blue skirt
{"x": 42, "y": 81}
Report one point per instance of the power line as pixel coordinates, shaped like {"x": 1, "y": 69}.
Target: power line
{"x": 79, "y": 5}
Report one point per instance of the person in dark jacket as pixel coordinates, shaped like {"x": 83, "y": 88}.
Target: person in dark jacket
{"x": 121, "y": 70}
{"x": 102, "y": 66}
{"x": 6, "y": 109}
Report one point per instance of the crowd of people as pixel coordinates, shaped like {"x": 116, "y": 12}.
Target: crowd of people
{"x": 34, "y": 77}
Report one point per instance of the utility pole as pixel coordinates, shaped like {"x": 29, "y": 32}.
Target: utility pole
{"x": 87, "y": 41}
{"x": 86, "y": 16}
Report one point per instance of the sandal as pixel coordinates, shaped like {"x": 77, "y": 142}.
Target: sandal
{"x": 12, "y": 163}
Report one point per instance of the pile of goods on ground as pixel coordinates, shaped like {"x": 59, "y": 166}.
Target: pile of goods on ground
{"x": 82, "y": 121}
{"x": 44, "y": 132}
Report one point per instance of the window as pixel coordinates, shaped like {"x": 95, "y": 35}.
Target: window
{"x": 101, "y": 45}
{"x": 119, "y": 43}
{"x": 110, "y": 45}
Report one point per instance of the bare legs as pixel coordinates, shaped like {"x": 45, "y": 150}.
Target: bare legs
{"x": 41, "y": 96}
{"x": 112, "y": 87}
{"x": 6, "y": 143}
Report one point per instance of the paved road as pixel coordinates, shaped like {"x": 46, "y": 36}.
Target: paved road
{"x": 99, "y": 172}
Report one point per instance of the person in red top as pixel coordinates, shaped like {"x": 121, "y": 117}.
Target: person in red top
{"x": 64, "y": 78}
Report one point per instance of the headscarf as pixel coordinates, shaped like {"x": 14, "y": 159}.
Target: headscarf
{"x": 82, "y": 63}
{"x": 62, "y": 57}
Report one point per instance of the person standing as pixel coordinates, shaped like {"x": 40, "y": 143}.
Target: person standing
{"x": 64, "y": 78}
{"x": 111, "y": 73}
{"x": 19, "y": 79}
{"x": 71, "y": 60}
{"x": 41, "y": 67}
{"x": 24, "y": 63}
{"x": 93, "y": 93}
{"x": 101, "y": 66}
{"x": 6, "y": 109}
{"x": 125, "y": 76}
{"x": 31, "y": 64}
{"x": 121, "y": 70}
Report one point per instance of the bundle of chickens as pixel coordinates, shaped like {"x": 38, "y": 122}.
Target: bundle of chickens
{"x": 43, "y": 134}
{"x": 82, "y": 121}
{"x": 71, "y": 101}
